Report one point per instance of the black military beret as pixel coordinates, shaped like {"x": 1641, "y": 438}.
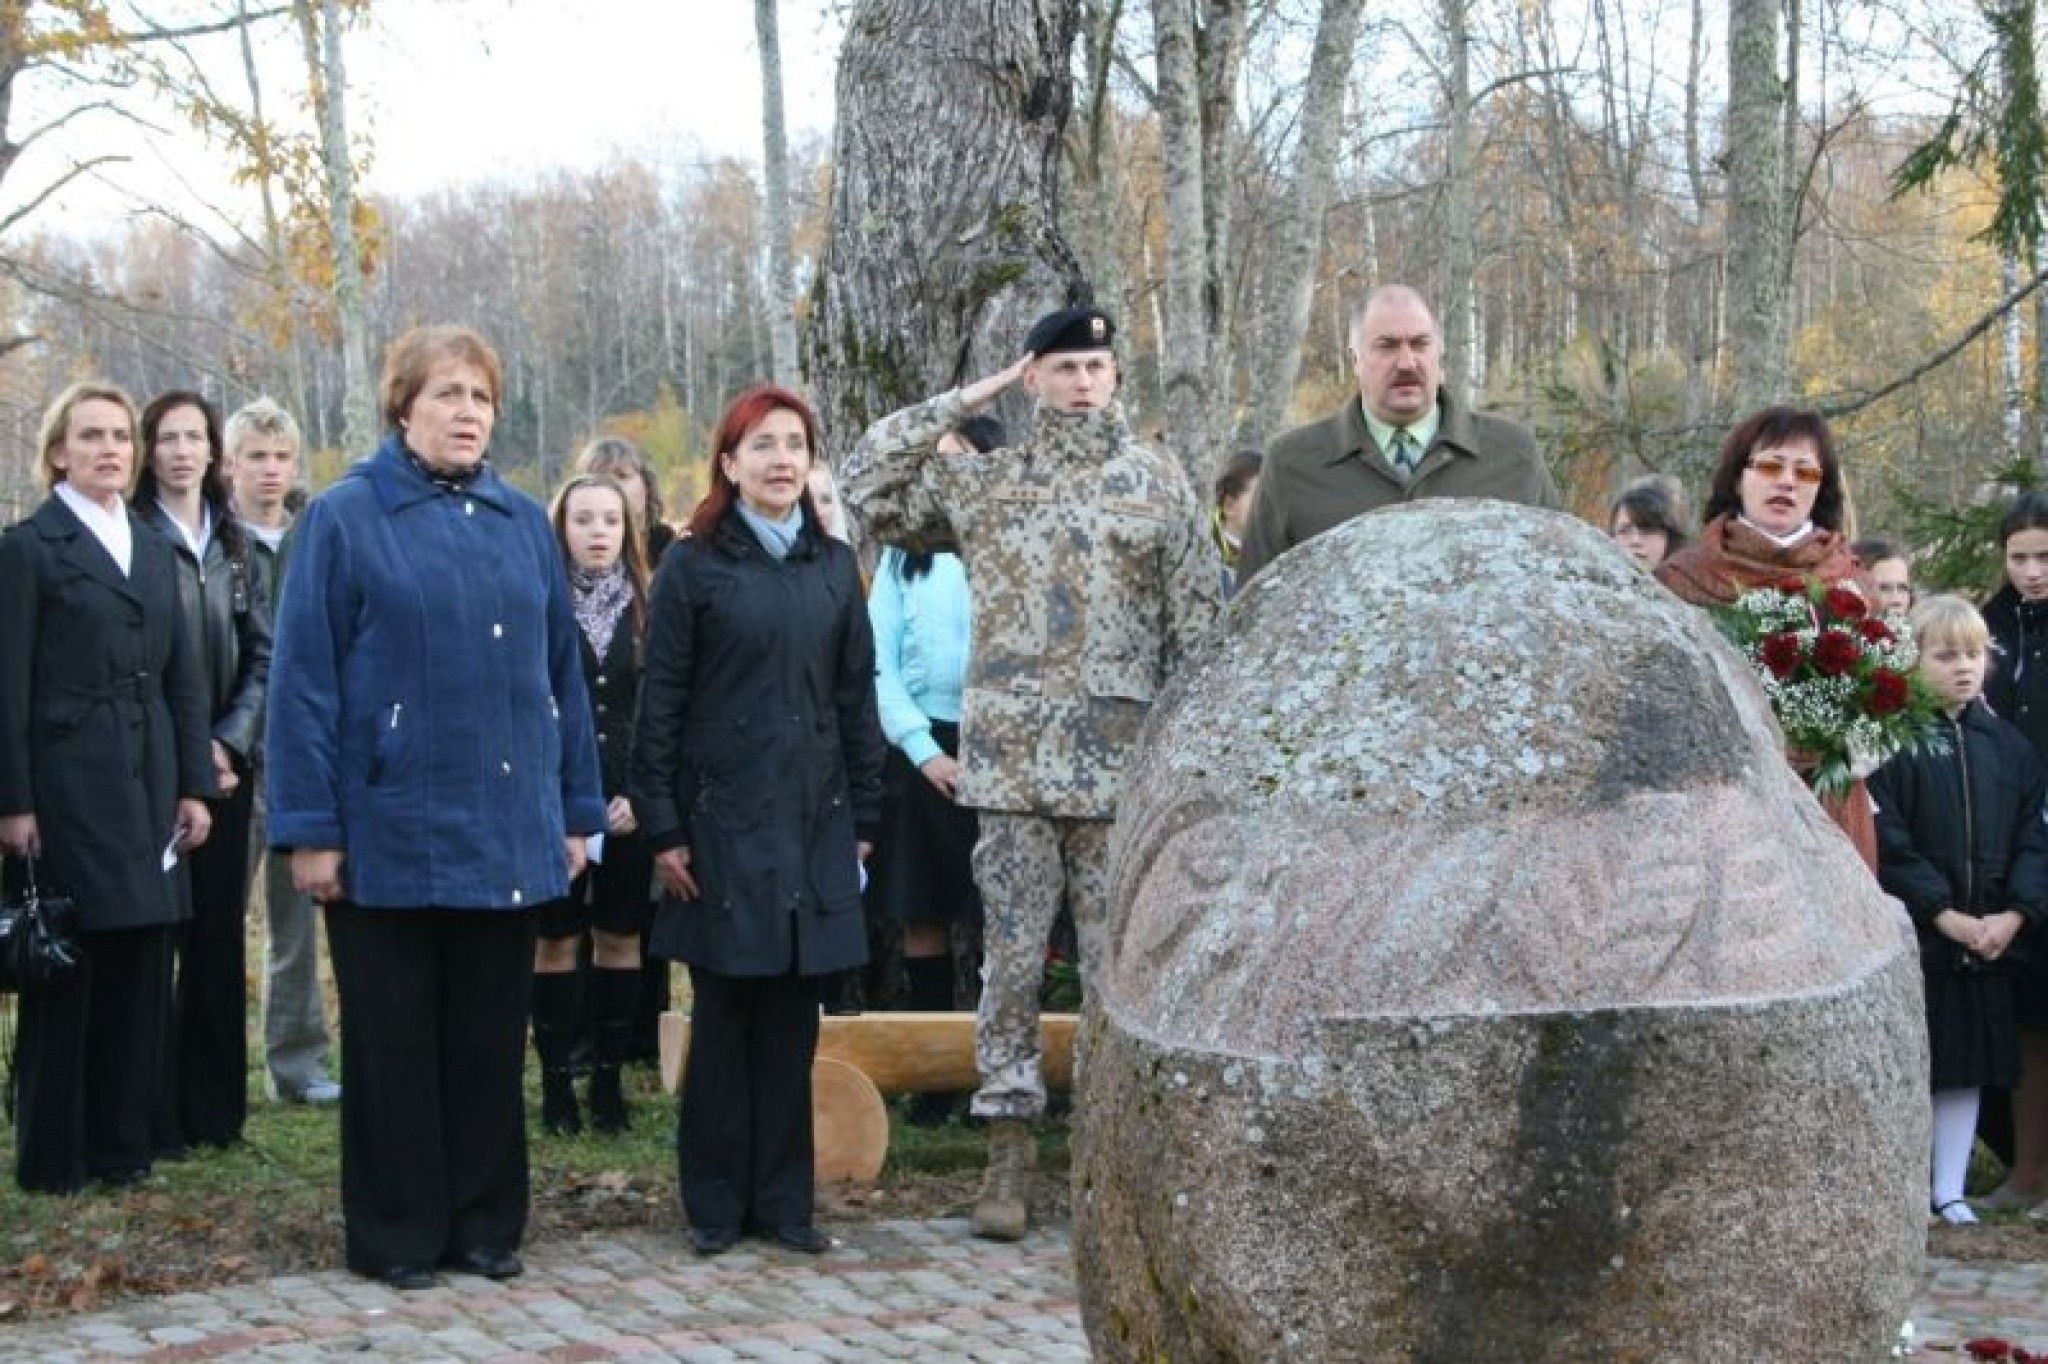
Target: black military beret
{"x": 1071, "y": 329}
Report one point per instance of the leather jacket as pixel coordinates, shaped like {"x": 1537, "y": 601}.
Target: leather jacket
{"x": 226, "y": 612}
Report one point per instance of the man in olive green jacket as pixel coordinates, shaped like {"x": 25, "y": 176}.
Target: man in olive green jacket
{"x": 1404, "y": 438}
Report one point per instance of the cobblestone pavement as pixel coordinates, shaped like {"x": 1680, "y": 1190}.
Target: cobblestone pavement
{"x": 892, "y": 1290}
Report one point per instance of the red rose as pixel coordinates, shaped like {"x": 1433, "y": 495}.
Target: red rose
{"x": 1845, "y": 603}
{"x": 1792, "y": 587}
{"x": 1875, "y": 630}
{"x": 1835, "y": 653}
{"x": 1887, "y": 694}
{"x": 1780, "y": 653}
{"x": 1987, "y": 1347}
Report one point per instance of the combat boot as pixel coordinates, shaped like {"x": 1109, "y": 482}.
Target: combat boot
{"x": 1003, "y": 1212}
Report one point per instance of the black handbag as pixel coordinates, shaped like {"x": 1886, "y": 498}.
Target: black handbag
{"x": 38, "y": 936}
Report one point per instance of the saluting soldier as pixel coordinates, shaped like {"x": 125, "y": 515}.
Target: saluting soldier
{"x": 1090, "y": 578}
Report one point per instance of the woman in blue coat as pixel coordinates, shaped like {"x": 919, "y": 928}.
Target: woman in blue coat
{"x": 104, "y": 775}
{"x": 433, "y": 776}
{"x": 757, "y": 768}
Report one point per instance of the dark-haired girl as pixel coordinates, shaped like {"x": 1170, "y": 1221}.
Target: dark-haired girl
{"x": 2017, "y": 689}
{"x": 603, "y": 549}
{"x": 1643, "y": 519}
{"x": 757, "y": 774}
{"x": 183, "y": 496}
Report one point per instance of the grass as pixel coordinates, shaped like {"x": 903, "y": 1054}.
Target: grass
{"x": 271, "y": 1204}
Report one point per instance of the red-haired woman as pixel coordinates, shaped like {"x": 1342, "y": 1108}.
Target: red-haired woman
{"x": 757, "y": 775}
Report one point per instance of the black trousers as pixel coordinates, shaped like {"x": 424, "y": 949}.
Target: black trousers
{"x": 205, "y": 1097}
{"x": 743, "y": 1140}
{"x": 433, "y": 1046}
{"x": 88, "y": 1060}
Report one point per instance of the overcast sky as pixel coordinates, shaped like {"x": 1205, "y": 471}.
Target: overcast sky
{"x": 454, "y": 91}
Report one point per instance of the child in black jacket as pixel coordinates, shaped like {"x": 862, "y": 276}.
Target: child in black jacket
{"x": 1962, "y": 843}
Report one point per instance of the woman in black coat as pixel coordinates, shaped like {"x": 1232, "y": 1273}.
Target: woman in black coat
{"x": 182, "y": 495}
{"x": 757, "y": 779}
{"x": 104, "y": 775}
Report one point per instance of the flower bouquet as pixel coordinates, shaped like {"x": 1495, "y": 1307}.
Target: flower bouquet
{"x": 1839, "y": 677}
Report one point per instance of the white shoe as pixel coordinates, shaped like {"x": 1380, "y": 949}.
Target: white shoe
{"x": 1957, "y": 1213}
{"x": 319, "y": 1094}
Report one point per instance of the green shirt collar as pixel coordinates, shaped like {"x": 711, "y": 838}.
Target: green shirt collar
{"x": 1422, "y": 428}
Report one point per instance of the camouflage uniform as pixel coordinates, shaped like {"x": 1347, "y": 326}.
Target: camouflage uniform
{"x": 1091, "y": 579}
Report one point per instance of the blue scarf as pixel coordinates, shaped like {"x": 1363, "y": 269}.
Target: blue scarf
{"x": 777, "y": 537}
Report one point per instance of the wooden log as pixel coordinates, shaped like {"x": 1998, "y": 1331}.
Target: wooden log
{"x": 901, "y": 1053}
{"x": 849, "y": 1121}
{"x": 849, "y": 1124}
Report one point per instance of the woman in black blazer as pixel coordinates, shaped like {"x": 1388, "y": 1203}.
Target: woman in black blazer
{"x": 104, "y": 776}
{"x": 757, "y": 779}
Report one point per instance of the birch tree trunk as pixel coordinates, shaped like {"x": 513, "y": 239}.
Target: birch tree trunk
{"x": 277, "y": 250}
{"x": 1219, "y": 60}
{"x": 775, "y": 165}
{"x": 2041, "y": 359}
{"x": 1460, "y": 255}
{"x": 1099, "y": 219}
{"x": 327, "y": 73}
{"x": 1287, "y": 293}
{"x": 1759, "y": 227}
{"x": 945, "y": 243}
{"x": 2012, "y": 364}
{"x": 1184, "y": 345}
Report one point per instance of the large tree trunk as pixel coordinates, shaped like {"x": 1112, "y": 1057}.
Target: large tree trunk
{"x": 1184, "y": 347}
{"x": 1759, "y": 227}
{"x": 945, "y": 243}
{"x": 775, "y": 164}
{"x": 1287, "y": 292}
{"x": 321, "y": 37}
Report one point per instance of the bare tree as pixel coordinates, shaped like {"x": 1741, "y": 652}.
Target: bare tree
{"x": 775, "y": 165}
{"x": 1184, "y": 346}
{"x": 1758, "y": 217}
{"x": 1460, "y": 249}
{"x": 320, "y": 33}
{"x": 945, "y": 239}
{"x": 1288, "y": 283}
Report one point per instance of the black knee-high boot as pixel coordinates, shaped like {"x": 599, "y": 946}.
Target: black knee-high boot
{"x": 930, "y": 981}
{"x": 613, "y": 994}
{"x": 557, "y": 1004}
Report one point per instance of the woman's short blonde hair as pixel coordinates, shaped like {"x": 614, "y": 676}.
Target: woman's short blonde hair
{"x": 57, "y": 423}
{"x": 1948, "y": 620}
{"x": 413, "y": 356}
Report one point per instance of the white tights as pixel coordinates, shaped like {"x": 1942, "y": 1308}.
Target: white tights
{"x": 1955, "y": 1135}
